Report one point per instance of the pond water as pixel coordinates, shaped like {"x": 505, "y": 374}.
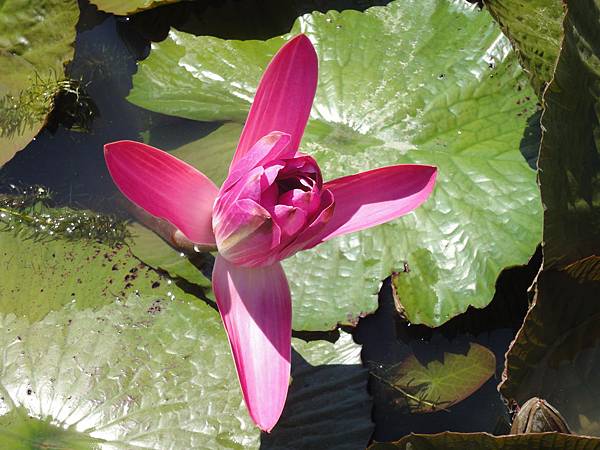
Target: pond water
{"x": 70, "y": 163}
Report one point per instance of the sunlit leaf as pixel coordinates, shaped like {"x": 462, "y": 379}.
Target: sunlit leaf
{"x": 534, "y": 27}
{"x": 157, "y": 373}
{"x": 412, "y": 82}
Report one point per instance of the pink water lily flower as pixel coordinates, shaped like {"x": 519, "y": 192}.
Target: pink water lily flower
{"x": 273, "y": 204}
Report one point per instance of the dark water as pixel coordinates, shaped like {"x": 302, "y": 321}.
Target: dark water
{"x": 387, "y": 339}
{"x": 71, "y": 164}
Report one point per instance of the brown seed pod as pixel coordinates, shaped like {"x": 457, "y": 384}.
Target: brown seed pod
{"x": 537, "y": 416}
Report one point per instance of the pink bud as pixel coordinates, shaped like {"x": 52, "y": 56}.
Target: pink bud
{"x": 260, "y": 213}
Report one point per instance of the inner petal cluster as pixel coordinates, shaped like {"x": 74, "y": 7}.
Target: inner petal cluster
{"x": 268, "y": 209}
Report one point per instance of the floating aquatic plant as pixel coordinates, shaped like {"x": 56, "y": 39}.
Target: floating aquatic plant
{"x": 273, "y": 204}
{"x": 21, "y": 112}
{"x": 32, "y": 213}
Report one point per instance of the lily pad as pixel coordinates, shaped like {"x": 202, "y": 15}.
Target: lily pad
{"x": 38, "y": 277}
{"x": 135, "y": 375}
{"x": 406, "y": 83}
{"x": 567, "y": 290}
{"x": 570, "y": 150}
{"x": 18, "y": 431}
{"x": 485, "y": 441}
{"x": 556, "y": 353}
{"x": 36, "y": 41}
{"x": 158, "y": 254}
{"x": 123, "y": 8}
{"x": 535, "y": 29}
{"x": 441, "y": 384}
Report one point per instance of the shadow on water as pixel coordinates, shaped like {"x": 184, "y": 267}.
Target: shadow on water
{"x": 530, "y": 142}
{"x": 388, "y": 339}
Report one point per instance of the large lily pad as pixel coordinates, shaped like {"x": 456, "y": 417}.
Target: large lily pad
{"x": 123, "y": 8}
{"x": 38, "y": 277}
{"x": 406, "y": 83}
{"x": 556, "y": 353}
{"x": 485, "y": 441}
{"x": 441, "y": 384}
{"x": 570, "y": 151}
{"x": 535, "y": 29}
{"x": 154, "y": 373}
{"x": 36, "y": 38}
{"x": 149, "y": 373}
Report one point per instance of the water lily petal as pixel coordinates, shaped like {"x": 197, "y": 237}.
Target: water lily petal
{"x": 164, "y": 186}
{"x": 284, "y": 96}
{"x": 246, "y": 233}
{"x": 377, "y": 196}
{"x": 268, "y": 148}
{"x": 310, "y": 236}
{"x": 290, "y": 219}
{"x": 256, "y": 308}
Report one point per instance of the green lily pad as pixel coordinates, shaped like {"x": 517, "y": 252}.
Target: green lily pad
{"x": 151, "y": 373}
{"x": 36, "y": 41}
{"x": 485, "y": 441}
{"x": 38, "y": 277}
{"x": 406, "y": 83}
{"x": 440, "y": 384}
{"x": 156, "y": 253}
{"x": 535, "y": 29}
{"x": 123, "y": 8}
{"x": 18, "y": 431}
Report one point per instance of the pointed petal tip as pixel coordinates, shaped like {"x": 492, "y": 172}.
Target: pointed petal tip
{"x": 305, "y": 45}
{"x": 266, "y": 424}
{"x": 371, "y": 198}
{"x": 432, "y": 179}
{"x": 116, "y": 144}
{"x": 284, "y": 96}
{"x": 301, "y": 39}
{"x": 434, "y": 173}
{"x": 256, "y": 308}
